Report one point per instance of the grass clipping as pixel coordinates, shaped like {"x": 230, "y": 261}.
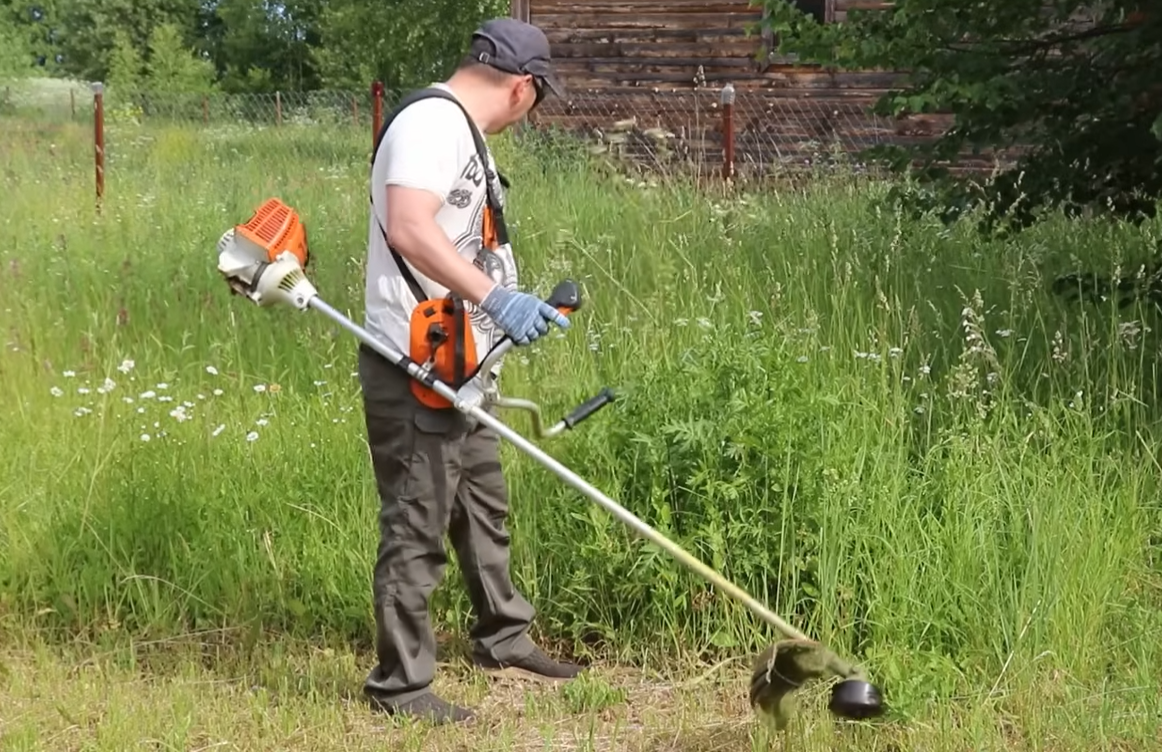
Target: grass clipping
{"x": 785, "y": 667}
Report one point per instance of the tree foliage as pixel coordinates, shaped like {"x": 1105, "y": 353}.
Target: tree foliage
{"x": 1069, "y": 92}
{"x": 403, "y": 44}
{"x": 248, "y": 45}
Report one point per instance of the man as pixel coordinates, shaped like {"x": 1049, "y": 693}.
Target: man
{"x": 437, "y": 474}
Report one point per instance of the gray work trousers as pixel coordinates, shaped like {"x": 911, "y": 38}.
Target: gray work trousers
{"x": 436, "y": 476}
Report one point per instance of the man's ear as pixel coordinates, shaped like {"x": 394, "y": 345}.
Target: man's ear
{"x": 514, "y": 92}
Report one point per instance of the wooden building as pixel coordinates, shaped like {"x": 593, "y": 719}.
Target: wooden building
{"x": 648, "y": 76}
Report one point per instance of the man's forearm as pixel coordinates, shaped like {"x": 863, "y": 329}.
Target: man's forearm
{"x": 425, "y": 246}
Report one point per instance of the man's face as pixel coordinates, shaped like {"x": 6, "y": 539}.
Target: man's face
{"x": 522, "y": 95}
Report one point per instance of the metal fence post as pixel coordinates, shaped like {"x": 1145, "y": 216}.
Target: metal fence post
{"x": 728, "y": 131}
{"x": 99, "y": 138}
{"x": 376, "y": 109}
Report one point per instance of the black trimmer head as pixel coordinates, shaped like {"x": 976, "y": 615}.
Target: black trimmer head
{"x": 856, "y": 699}
{"x": 787, "y": 665}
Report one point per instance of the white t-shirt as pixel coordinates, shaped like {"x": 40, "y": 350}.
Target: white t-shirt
{"x": 429, "y": 146}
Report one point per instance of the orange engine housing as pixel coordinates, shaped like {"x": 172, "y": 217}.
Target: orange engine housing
{"x": 275, "y": 227}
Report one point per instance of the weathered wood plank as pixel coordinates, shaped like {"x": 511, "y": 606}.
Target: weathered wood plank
{"x": 634, "y": 65}
{"x": 740, "y": 21}
{"x": 707, "y": 34}
{"x": 600, "y": 79}
{"x": 613, "y": 7}
{"x": 581, "y": 75}
{"x": 744, "y": 95}
{"x": 727, "y": 47}
{"x": 844, "y": 5}
{"x": 636, "y": 5}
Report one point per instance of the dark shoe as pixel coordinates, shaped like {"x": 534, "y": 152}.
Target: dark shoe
{"x": 426, "y": 707}
{"x": 536, "y": 664}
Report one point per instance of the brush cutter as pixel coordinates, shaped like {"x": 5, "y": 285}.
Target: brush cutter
{"x": 264, "y": 260}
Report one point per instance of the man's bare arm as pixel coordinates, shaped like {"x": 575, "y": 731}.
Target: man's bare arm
{"x": 412, "y": 230}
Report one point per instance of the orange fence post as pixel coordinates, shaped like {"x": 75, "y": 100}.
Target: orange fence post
{"x": 376, "y": 110}
{"x": 99, "y": 138}
{"x": 728, "y": 131}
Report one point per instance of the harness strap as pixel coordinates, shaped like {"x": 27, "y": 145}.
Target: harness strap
{"x": 494, "y": 204}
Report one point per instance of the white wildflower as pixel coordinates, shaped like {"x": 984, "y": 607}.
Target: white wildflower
{"x": 57, "y": 391}
{"x": 126, "y": 366}
{"x": 252, "y": 436}
{"x": 260, "y": 388}
{"x": 221, "y": 427}
{"x": 211, "y": 370}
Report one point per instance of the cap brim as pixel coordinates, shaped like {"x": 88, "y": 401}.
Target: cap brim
{"x": 555, "y": 85}
{"x": 544, "y": 70}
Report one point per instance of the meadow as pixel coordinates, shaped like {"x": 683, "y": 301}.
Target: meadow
{"x": 892, "y": 432}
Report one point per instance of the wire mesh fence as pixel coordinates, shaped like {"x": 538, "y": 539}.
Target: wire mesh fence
{"x": 273, "y": 109}
{"x": 46, "y": 100}
{"x": 736, "y": 133}
{"x": 711, "y": 131}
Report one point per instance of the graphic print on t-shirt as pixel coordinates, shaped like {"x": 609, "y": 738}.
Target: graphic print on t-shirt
{"x": 499, "y": 265}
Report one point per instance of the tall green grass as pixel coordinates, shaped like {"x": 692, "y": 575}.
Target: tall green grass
{"x": 888, "y": 430}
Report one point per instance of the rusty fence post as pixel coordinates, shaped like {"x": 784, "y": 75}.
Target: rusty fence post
{"x": 728, "y": 131}
{"x": 278, "y": 108}
{"x": 376, "y": 110}
{"x": 99, "y": 138}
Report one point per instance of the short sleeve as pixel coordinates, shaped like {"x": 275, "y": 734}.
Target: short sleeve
{"x": 423, "y": 148}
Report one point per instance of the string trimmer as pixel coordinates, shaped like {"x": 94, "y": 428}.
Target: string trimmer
{"x": 265, "y": 259}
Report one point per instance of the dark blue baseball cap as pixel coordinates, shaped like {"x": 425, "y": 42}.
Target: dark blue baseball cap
{"x": 516, "y": 47}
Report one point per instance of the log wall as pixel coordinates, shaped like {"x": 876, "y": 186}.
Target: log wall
{"x": 654, "y": 72}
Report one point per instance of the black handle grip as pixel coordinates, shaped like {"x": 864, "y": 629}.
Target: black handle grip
{"x": 588, "y": 407}
{"x": 565, "y": 297}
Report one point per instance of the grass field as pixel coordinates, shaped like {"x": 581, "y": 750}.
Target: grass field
{"x": 891, "y": 432}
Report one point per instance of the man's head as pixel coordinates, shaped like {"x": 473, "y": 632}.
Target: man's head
{"x": 512, "y": 61}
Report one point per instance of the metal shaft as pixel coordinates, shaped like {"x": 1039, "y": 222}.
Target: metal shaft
{"x": 571, "y": 478}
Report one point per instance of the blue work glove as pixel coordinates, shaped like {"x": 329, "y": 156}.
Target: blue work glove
{"x": 523, "y": 317}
